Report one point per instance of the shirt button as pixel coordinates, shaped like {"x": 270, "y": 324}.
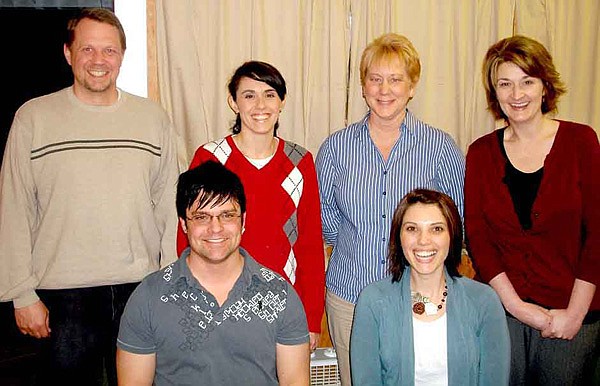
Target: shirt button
{"x": 382, "y": 261}
{"x": 536, "y": 214}
{"x": 384, "y": 193}
{"x": 384, "y": 172}
{"x": 383, "y": 238}
{"x": 383, "y": 216}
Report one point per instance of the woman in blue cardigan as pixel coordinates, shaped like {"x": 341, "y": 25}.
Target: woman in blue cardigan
{"x": 425, "y": 324}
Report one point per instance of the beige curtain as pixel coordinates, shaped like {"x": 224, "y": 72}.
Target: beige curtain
{"x": 200, "y": 43}
{"x": 451, "y": 38}
{"x": 317, "y": 44}
{"x": 571, "y": 32}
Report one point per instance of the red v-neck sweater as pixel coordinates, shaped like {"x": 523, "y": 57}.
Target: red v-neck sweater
{"x": 563, "y": 244}
{"x": 283, "y": 217}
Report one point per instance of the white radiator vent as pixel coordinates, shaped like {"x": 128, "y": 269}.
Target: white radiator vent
{"x": 324, "y": 367}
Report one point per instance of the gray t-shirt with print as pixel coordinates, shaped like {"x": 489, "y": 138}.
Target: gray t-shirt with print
{"x": 198, "y": 342}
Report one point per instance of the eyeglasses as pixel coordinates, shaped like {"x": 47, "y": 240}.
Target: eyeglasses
{"x": 205, "y": 218}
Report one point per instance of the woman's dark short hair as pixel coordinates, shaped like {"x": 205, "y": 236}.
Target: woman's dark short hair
{"x": 100, "y": 15}
{"x": 262, "y": 72}
{"x": 210, "y": 182}
{"x": 396, "y": 259}
{"x": 532, "y": 57}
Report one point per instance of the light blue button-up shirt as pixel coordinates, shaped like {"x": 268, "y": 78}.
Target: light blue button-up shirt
{"x": 360, "y": 190}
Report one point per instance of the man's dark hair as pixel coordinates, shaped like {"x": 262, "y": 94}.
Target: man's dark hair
{"x": 210, "y": 182}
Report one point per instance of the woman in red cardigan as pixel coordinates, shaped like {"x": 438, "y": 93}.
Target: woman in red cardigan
{"x": 532, "y": 218}
{"x": 283, "y": 218}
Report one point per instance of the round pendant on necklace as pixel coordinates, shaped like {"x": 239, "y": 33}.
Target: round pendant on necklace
{"x": 418, "y": 308}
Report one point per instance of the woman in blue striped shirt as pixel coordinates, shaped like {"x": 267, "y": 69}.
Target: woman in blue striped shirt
{"x": 365, "y": 169}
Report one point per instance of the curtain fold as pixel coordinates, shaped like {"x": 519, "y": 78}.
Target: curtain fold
{"x": 570, "y": 30}
{"x": 201, "y": 43}
{"x": 451, "y": 38}
{"x": 317, "y": 46}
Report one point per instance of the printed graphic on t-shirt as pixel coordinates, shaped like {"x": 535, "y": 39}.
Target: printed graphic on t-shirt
{"x": 265, "y": 298}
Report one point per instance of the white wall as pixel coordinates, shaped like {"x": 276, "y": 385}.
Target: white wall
{"x": 134, "y": 71}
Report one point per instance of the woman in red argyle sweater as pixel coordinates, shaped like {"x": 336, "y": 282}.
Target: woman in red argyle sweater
{"x": 283, "y": 218}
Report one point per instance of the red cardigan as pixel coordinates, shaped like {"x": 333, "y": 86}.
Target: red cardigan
{"x": 564, "y": 242}
{"x": 283, "y": 217}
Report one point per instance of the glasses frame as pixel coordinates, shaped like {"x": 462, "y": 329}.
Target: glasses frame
{"x": 205, "y": 219}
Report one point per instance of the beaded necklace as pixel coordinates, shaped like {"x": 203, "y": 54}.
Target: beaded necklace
{"x": 424, "y": 304}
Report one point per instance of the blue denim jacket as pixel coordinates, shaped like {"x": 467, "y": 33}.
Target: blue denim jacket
{"x": 382, "y": 351}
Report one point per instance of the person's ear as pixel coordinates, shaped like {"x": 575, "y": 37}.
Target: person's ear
{"x": 183, "y": 225}
{"x": 67, "y": 52}
{"x": 232, "y": 105}
{"x": 413, "y": 87}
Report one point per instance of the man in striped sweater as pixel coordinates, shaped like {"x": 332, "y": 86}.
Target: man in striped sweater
{"x": 87, "y": 193}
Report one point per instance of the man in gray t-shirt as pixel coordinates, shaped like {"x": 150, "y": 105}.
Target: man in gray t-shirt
{"x": 215, "y": 316}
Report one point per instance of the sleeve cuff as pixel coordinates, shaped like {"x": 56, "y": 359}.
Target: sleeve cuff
{"x": 26, "y": 299}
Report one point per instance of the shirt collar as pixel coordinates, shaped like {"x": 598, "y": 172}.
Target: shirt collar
{"x": 407, "y": 126}
{"x": 251, "y": 268}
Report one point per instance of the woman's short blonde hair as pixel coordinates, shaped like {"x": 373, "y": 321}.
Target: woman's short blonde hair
{"x": 389, "y": 47}
{"x": 531, "y": 57}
